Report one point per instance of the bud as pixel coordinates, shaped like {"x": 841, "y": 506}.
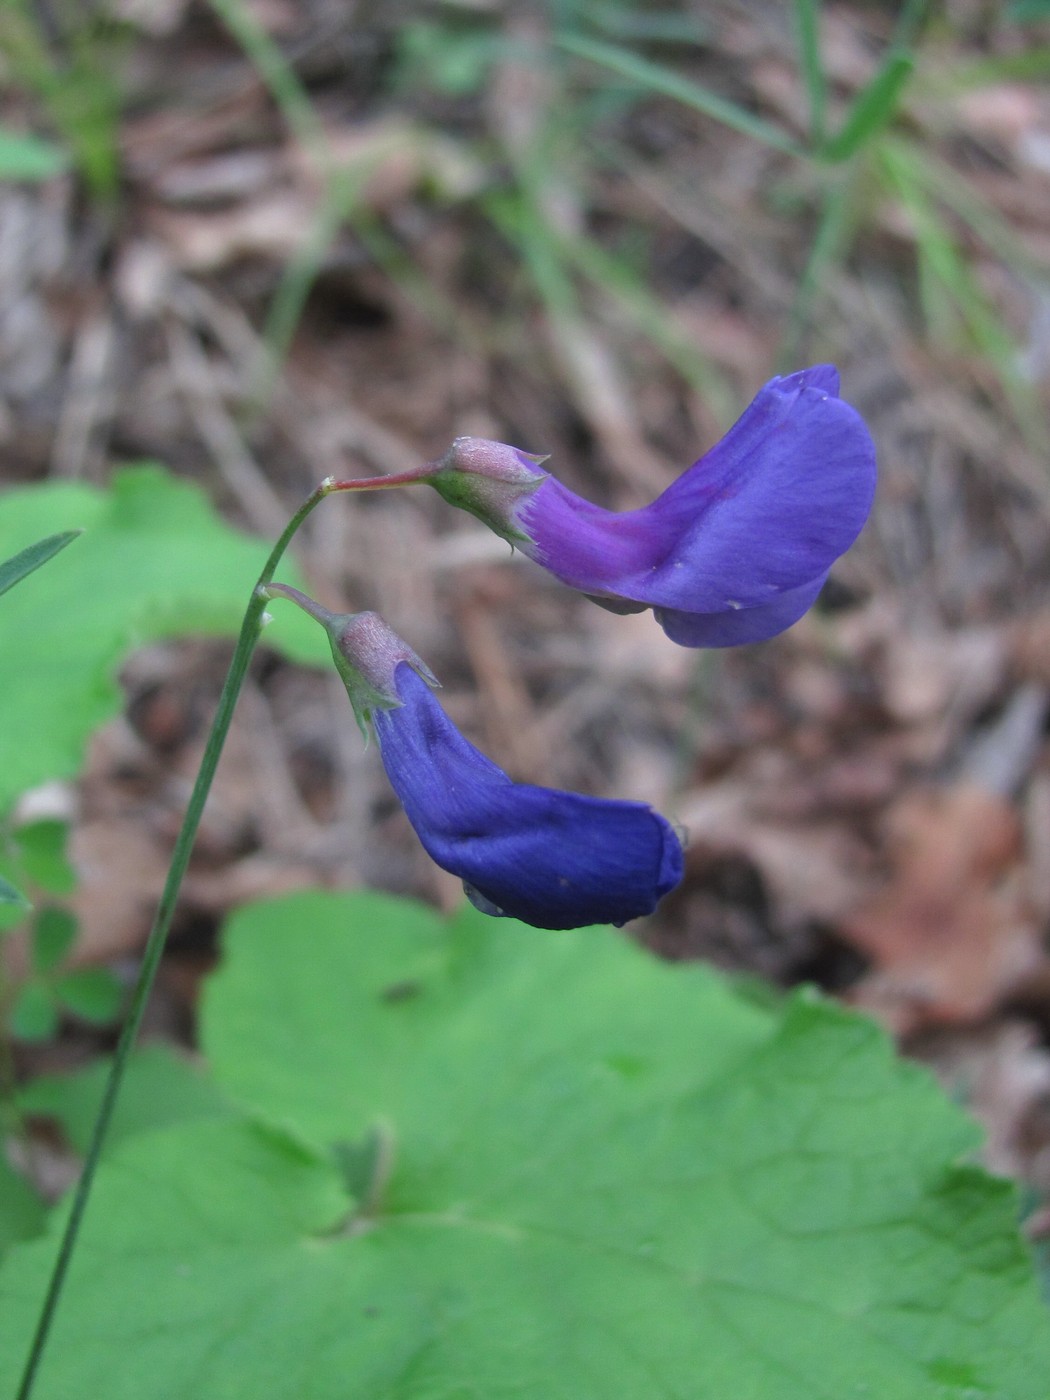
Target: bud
{"x": 490, "y": 480}
{"x": 366, "y": 653}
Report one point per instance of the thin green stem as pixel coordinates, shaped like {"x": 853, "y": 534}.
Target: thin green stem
{"x": 831, "y": 236}
{"x": 249, "y": 635}
{"x": 807, "y": 27}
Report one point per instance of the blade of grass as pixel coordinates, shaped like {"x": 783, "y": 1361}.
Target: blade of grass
{"x": 831, "y": 240}
{"x": 16, "y": 568}
{"x": 340, "y": 189}
{"x": 953, "y": 303}
{"x": 73, "y": 67}
{"x": 872, "y": 109}
{"x": 298, "y": 277}
{"x": 652, "y": 318}
{"x": 807, "y": 28}
{"x": 930, "y": 172}
{"x": 654, "y": 78}
{"x": 251, "y": 630}
{"x": 277, "y": 75}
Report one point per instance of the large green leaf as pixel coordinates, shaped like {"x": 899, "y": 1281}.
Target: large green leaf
{"x": 155, "y": 561}
{"x": 506, "y": 1163}
{"x": 160, "y": 1087}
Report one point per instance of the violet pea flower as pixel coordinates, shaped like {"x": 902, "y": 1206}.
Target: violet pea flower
{"x": 735, "y": 550}
{"x": 553, "y": 859}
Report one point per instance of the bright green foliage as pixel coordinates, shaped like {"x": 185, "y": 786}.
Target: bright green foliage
{"x": 26, "y": 157}
{"x": 491, "y": 1162}
{"x": 41, "y": 852}
{"x": 873, "y": 108}
{"x": 161, "y": 1087}
{"x": 34, "y": 1013}
{"x": 155, "y": 561}
{"x": 54, "y": 934}
{"x": 32, "y": 860}
{"x": 91, "y": 994}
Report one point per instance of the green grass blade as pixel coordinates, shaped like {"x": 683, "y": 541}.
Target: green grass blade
{"x": 280, "y": 79}
{"x": 655, "y": 78}
{"x": 872, "y": 108}
{"x": 831, "y": 240}
{"x": 16, "y": 568}
{"x": 807, "y": 27}
{"x": 651, "y": 317}
{"x": 941, "y": 181}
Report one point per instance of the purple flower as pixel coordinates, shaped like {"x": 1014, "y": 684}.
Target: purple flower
{"x": 552, "y": 859}
{"x": 734, "y": 551}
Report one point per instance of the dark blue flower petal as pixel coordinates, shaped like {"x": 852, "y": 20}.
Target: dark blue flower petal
{"x": 552, "y": 859}
{"x": 736, "y": 628}
{"x": 761, "y": 516}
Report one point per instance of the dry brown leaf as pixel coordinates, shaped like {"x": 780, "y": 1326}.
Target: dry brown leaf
{"x": 952, "y": 932}
{"x": 811, "y": 871}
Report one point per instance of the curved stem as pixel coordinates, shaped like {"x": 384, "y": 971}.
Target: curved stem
{"x": 249, "y": 635}
{"x": 383, "y": 483}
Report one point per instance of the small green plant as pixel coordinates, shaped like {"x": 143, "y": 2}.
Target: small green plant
{"x": 71, "y": 57}
{"x": 91, "y": 994}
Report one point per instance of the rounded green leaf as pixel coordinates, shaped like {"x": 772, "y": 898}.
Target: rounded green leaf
{"x": 54, "y": 933}
{"x": 514, "y": 1164}
{"x": 41, "y": 848}
{"x": 34, "y": 1015}
{"x": 93, "y": 994}
{"x": 154, "y": 561}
